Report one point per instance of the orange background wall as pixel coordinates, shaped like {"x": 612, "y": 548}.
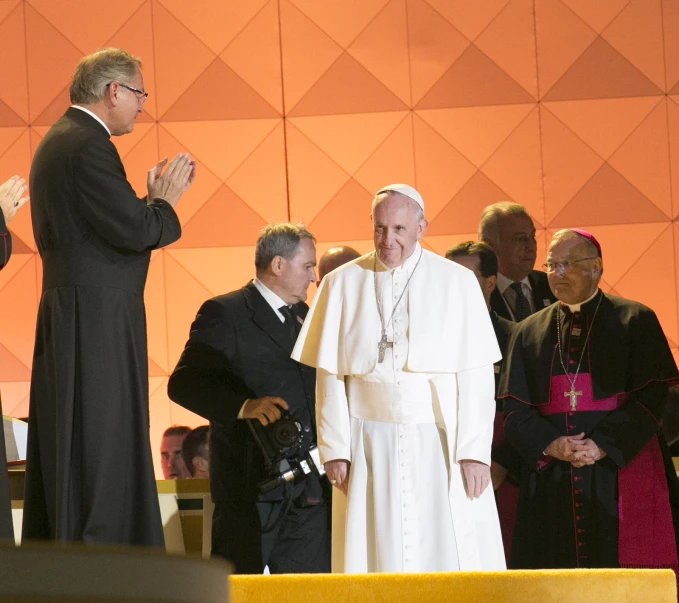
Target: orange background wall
{"x": 300, "y": 109}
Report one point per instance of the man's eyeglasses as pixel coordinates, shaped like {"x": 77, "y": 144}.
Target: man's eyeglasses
{"x": 140, "y": 94}
{"x": 567, "y": 265}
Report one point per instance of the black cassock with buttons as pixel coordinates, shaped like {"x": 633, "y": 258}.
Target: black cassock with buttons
{"x": 623, "y": 511}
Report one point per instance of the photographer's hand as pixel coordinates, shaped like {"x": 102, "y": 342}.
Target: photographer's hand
{"x": 266, "y": 410}
{"x": 338, "y": 473}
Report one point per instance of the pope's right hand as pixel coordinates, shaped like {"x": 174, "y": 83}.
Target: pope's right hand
{"x": 266, "y": 410}
{"x": 338, "y": 474}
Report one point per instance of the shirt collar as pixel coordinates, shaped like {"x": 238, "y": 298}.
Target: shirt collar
{"x": 503, "y": 283}
{"x": 578, "y": 307}
{"x": 271, "y": 298}
{"x": 92, "y": 115}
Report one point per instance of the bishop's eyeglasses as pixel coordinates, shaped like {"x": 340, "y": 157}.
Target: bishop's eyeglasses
{"x": 565, "y": 265}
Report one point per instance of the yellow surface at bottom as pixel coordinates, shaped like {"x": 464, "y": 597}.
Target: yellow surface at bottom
{"x": 557, "y": 586}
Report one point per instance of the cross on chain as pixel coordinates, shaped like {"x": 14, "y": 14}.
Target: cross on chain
{"x": 573, "y": 395}
{"x": 382, "y": 346}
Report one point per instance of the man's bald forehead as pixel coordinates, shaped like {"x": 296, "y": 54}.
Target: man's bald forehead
{"x": 336, "y": 257}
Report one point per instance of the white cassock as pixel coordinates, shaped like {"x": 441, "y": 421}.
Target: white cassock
{"x": 405, "y": 423}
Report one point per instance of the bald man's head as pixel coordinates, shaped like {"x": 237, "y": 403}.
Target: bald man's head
{"x": 334, "y": 258}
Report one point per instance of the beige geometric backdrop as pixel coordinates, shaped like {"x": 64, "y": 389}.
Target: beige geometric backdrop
{"x": 300, "y": 109}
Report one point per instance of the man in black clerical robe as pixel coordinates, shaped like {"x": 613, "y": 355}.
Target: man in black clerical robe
{"x": 506, "y": 463}
{"x": 89, "y": 473}
{"x": 584, "y": 388}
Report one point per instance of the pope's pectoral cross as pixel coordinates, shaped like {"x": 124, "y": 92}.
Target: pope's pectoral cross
{"x": 382, "y": 347}
{"x": 573, "y": 395}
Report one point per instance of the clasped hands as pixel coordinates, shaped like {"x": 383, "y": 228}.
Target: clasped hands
{"x": 577, "y": 450}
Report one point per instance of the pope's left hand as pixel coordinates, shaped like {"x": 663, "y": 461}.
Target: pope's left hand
{"x": 476, "y": 477}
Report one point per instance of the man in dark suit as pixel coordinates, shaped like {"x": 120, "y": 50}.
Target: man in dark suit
{"x": 521, "y": 291}
{"x": 237, "y": 366}
{"x": 89, "y": 473}
{"x": 506, "y": 463}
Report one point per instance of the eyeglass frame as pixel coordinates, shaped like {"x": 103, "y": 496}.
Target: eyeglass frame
{"x": 567, "y": 265}
{"x": 141, "y": 99}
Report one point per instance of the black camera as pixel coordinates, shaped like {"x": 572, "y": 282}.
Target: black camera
{"x": 288, "y": 451}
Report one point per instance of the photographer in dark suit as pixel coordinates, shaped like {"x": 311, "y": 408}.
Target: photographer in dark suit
{"x": 237, "y": 366}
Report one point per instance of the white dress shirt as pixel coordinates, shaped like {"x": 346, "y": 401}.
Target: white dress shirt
{"x": 271, "y": 298}
{"x": 275, "y": 302}
{"x": 509, "y": 295}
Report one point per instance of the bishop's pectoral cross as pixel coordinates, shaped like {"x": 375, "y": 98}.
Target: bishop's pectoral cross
{"x": 382, "y": 347}
{"x": 573, "y": 395}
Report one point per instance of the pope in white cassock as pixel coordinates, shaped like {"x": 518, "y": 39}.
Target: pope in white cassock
{"x": 404, "y": 349}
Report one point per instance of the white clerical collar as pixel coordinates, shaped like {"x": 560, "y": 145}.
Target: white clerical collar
{"x": 407, "y": 265}
{"x": 503, "y": 283}
{"x": 92, "y": 115}
{"x": 271, "y": 298}
{"x": 576, "y": 307}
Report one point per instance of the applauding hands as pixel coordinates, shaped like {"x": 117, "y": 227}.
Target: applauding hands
{"x": 12, "y": 197}
{"x": 174, "y": 182}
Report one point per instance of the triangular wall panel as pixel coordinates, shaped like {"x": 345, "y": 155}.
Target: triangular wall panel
{"x": 389, "y": 60}
{"x": 347, "y": 87}
{"x": 583, "y": 80}
{"x": 474, "y": 80}
{"x": 590, "y": 205}
{"x": 13, "y": 66}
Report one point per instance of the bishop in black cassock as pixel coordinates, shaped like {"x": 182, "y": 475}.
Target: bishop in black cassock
{"x": 584, "y": 388}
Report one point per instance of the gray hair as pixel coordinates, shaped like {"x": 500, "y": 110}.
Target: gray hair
{"x": 415, "y": 206}
{"x": 278, "y": 240}
{"x": 98, "y": 70}
{"x": 489, "y": 224}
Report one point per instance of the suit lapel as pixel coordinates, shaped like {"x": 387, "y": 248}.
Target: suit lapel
{"x": 540, "y": 292}
{"x": 265, "y": 318}
{"x": 498, "y": 304}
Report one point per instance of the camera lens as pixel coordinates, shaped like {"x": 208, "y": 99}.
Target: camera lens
{"x": 285, "y": 433}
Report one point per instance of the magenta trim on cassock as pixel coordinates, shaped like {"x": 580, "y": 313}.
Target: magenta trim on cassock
{"x": 645, "y": 528}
